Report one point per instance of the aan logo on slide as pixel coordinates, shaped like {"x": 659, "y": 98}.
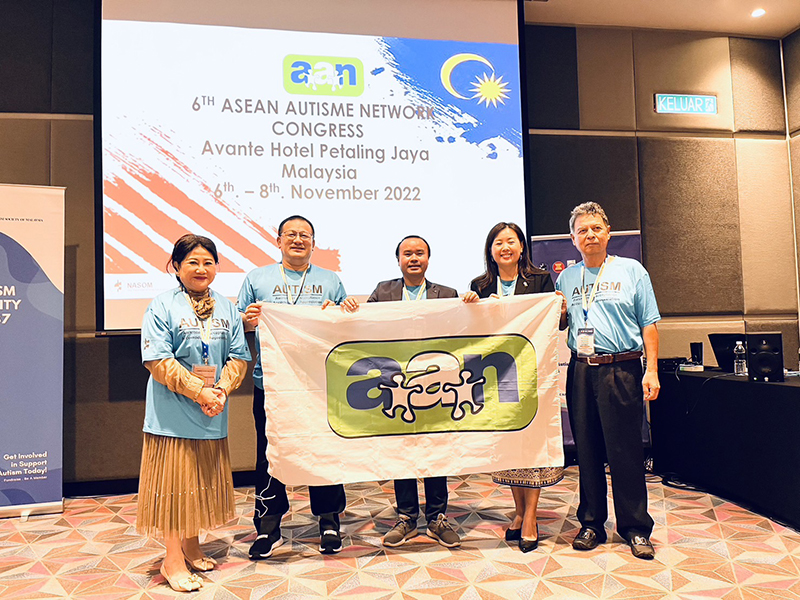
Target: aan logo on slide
{"x": 398, "y": 387}
{"x": 323, "y": 75}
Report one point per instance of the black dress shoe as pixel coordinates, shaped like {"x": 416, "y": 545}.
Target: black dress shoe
{"x": 641, "y": 547}
{"x": 587, "y": 539}
{"x": 513, "y": 535}
{"x": 528, "y": 545}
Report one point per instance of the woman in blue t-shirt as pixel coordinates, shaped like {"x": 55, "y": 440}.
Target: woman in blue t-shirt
{"x": 509, "y": 271}
{"x": 193, "y": 345}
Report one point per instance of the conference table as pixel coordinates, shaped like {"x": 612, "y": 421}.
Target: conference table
{"x": 731, "y": 437}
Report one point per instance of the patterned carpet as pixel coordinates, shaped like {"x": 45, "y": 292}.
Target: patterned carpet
{"x": 706, "y": 548}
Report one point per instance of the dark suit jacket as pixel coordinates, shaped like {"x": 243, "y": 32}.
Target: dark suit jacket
{"x": 539, "y": 282}
{"x": 392, "y": 290}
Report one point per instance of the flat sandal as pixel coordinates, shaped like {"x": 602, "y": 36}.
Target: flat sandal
{"x": 190, "y": 583}
{"x": 204, "y": 563}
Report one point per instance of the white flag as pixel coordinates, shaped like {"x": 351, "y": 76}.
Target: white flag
{"x": 411, "y": 389}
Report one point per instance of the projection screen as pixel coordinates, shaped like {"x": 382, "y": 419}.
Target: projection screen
{"x": 374, "y": 119}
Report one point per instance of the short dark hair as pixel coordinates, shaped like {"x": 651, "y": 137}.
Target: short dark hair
{"x": 411, "y": 237}
{"x": 187, "y": 243}
{"x": 294, "y": 218}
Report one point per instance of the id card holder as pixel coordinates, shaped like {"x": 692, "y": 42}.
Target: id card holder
{"x": 208, "y": 373}
{"x": 585, "y": 342}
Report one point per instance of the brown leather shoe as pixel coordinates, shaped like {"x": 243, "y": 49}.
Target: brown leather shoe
{"x": 587, "y": 539}
{"x": 641, "y": 547}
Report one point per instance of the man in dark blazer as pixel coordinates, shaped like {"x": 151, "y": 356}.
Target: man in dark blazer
{"x": 413, "y": 253}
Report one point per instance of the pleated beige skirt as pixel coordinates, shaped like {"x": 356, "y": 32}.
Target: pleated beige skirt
{"x": 184, "y": 486}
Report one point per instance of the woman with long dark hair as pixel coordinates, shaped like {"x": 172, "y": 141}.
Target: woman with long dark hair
{"x": 193, "y": 345}
{"x": 509, "y": 271}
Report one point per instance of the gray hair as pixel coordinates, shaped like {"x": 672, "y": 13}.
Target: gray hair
{"x": 587, "y": 208}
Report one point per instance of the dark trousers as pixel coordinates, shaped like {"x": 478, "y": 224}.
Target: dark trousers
{"x": 605, "y": 404}
{"x": 405, "y": 493}
{"x": 327, "y": 501}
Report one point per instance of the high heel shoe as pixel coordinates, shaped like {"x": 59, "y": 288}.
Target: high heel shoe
{"x": 188, "y": 583}
{"x": 528, "y": 545}
{"x": 204, "y": 563}
{"x": 513, "y": 535}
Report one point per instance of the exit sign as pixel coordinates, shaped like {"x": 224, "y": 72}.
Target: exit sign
{"x": 685, "y": 104}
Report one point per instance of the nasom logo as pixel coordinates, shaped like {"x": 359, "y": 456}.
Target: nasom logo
{"x": 401, "y": 387}
{"x": 323, "y": 75}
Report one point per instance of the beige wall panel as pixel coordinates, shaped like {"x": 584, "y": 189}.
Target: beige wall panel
{"x": 108, "y": 442}
{"x": 676, "y": 333}
{"x": 757, "y": 85}
{"x": 682, "y": 63}
{"x": 791, "y": 65}
{"x": 73, "y": 168}
{"x": 25, "y": 151}
{"x": 102, "y": 435}
{"x": 104, "y": 406}
{"x": 690, "y": 224}
{"x": 769, "y": 276}
{"x": 605, "y": 79}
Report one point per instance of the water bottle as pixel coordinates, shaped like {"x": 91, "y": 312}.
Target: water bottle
{"x": 739, "y": 360}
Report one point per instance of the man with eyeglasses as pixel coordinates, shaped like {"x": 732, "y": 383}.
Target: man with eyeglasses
{"x": 612, "y": 314}
{"x": 292, "y": 281}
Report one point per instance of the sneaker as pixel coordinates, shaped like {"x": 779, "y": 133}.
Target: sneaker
{"x": 265, "y": 544}
{"x": 443, "y": 532}
{"x": 330, "y": 541}
{"x": 403, "y": 530}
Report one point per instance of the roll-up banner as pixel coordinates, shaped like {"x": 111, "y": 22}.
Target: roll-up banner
{"x": 31, "y": 349}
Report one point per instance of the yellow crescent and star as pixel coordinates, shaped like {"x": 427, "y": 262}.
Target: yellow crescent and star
{"x": 488, "y": 88}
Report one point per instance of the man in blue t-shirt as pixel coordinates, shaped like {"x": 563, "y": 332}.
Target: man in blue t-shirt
{"x": 412, "y": 255}
{"x": 292, "y": 281}
{"x": 611, "y": 313}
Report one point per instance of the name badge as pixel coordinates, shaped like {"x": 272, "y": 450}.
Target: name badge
{"x": 585, "y": 341}
{"x": 208, "y": 373}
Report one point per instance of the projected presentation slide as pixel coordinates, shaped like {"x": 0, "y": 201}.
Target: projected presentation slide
{"x": 224, "y": 131}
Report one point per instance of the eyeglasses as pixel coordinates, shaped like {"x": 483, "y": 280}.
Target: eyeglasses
{"x": 291, "y": 235}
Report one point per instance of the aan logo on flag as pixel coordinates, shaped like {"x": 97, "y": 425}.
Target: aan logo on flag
{"x": 400, "y": 387}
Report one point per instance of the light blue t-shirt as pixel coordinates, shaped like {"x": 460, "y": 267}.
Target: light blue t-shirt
{"x": 413, "y": 293}
{"x": 265, "y": 284}
{"x": 623, "y": 305}
{"x": 170, "y": 329}
{"x": 507, "y": 287}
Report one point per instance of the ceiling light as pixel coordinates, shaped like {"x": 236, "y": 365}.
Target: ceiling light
{"x": 759, "y": 12}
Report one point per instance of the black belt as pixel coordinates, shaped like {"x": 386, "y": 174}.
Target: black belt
{"x": 607, "y": 359}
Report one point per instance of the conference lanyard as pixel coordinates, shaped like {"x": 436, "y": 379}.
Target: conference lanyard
{"x": 584, "y": 304}
{"x": 513, "y": 287}
{"x": 407, "y": 296}
{"x": 205, "y": 331}
{"x": 286, "y": 284}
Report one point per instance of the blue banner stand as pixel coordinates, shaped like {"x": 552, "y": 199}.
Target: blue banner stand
{"x": 31, "y": 349}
